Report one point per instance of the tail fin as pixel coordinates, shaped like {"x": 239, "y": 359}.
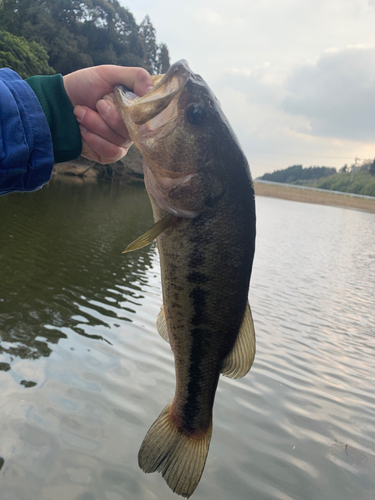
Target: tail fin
{"x": 179, "y": 458}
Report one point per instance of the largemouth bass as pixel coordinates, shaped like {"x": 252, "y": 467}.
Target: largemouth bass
{"x": 202, "y": 197}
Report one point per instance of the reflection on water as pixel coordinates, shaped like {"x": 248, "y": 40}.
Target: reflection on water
{"x": 61, "y": 263}
{"x": 83, "y": 372}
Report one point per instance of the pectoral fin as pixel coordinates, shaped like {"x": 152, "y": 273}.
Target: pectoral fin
{"x": 161, "y": 325}
{"x": 239, "y": 360}
{"x": 150, "y": 235}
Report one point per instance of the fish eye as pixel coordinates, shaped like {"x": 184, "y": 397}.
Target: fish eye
{"x": 196, "y": 115}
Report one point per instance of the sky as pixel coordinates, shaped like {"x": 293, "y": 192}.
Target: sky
{"x": 295, "y": 78}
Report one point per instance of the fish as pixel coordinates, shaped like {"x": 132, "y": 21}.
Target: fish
{"x": 202, "y": 196}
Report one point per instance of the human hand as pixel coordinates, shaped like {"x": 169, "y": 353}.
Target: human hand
{"x": 105, "y": 138}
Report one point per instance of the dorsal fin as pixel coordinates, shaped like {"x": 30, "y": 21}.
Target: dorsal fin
{"x": 239, "y": 360}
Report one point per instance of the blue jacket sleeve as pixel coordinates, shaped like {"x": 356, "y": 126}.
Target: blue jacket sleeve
{"x": 26, "y": 152}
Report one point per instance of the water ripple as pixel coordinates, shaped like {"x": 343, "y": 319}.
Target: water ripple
{"x": 83, "y": 372}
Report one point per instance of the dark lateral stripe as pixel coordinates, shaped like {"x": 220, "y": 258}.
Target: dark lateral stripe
{"x": 191, "y": 408}
{"x": 198, "y": 296}
{"x": 196, "y": 258}
{"x": 199, "y": 350}
{"x": 197, "y": 277}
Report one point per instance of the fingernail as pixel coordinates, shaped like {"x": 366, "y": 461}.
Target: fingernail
{"x": 126, "y": 144}
{"x": 109, "y": 97}
{"x": 150, "y": 87}
{"x": 79, "y": 113}
{"x": 82, "y": 129}
{"x": 103, "y": 107}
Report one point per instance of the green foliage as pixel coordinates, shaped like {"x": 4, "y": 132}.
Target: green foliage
{"x": 26, "y": 58}
{"x": 359, "y": 182}
{"x": 298, "y": 175}
{"x": 81, "y": 33}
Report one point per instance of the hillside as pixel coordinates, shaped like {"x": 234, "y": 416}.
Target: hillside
{"x": 357, "y": 180}
{"x": 76, "y": 35}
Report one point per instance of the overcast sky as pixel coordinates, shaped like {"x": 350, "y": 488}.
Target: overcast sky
{"x": 296, "y": 78}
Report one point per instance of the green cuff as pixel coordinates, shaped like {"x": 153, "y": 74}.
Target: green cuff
{"x": 66, "y": 136}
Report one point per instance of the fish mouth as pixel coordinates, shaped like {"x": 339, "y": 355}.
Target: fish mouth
{"x": 149, "y": 112}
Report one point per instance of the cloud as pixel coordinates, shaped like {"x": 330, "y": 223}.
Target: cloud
{"x": 258, "y": 84}
{"x": 272, "y": 137}
{"x": 252, "y": 102}
{"x": 336, "y": 94}
{"x": 207, "y": 16}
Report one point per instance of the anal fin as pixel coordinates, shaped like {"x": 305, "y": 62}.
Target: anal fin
{"x": 240, "y": 359}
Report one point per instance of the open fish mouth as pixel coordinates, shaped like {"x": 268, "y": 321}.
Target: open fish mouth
{"x": 154, "y": 107}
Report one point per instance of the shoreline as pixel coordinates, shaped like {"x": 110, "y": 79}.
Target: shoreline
{"x": 311, "y": 196}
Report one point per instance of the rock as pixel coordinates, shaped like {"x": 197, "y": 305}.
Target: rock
{"x": 128, "y": 169}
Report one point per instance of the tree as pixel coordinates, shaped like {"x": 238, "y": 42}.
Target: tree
{"x": 163, "y": 59}
{"x": 26, "y": 58}
{"x": 298, "y": 174}
{"x": 372, "y": 168}
{"x": 157, "y": 56}
{"x": 53, "y": 25}
{"x": 81, "y": 33}
{"x": 147, "y": 34}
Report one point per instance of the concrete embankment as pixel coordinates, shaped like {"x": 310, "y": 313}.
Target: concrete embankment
{"x": 319, "y": 197}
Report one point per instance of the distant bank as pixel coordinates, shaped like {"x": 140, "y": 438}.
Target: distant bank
{"x": 320, "y": 197}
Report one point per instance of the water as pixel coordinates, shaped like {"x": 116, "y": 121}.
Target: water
{"x": 83, "y": 373}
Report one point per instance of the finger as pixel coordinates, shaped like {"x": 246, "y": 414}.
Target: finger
{"x": 109, "y": 112}
{"x": 88, "y": 153}
{"x": 136, "y": 79}
{"x": 95, "y": 124}
{"x": 106, "y": 151}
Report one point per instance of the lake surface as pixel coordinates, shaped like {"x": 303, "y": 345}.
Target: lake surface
{"x": 83, "y": 373}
